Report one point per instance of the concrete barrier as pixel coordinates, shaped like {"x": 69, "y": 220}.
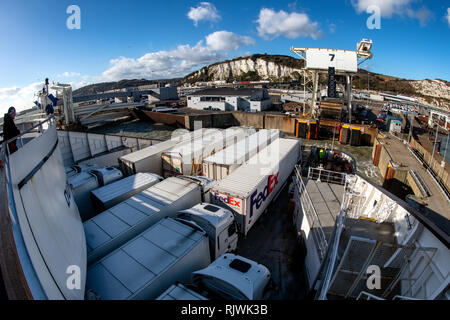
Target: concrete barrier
{"x": 166, "y": 118}
{"x": 283, "y": 123}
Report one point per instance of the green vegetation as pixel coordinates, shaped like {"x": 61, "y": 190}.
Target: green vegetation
{"x": 249, "y": 76}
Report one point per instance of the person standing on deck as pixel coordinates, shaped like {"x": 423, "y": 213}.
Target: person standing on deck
{"x": 10, "y": 130}
{"x": 321, "y": 156}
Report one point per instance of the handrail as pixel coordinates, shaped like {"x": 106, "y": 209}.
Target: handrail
{"x": 331, "y": 176}
{"x": 29, "y": 130}
{"x": 320, "y": 237}
{"x": 339, "y": 227}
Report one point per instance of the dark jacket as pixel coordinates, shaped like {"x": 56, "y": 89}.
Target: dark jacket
{"x": 9, "y": 128}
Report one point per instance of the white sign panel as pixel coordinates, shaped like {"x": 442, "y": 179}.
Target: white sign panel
{"x": 324, "y": 58}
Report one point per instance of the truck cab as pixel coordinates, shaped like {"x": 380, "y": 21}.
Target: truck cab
{"x": 218, "y": 223}
{"x": 232, "y": 277}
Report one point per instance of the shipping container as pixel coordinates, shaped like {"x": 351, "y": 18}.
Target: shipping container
{"x": 144, "y": 267}
{"x": 224, "y": 162}
{"x": 302, "y": 129}
{"x": 250, "y": 189}
{"x": 149, "y": 159}
{"x": 355, "y": 137}
{"x": 344, "y": 136}
{"x": 108, "y": 196}
{"x": 186, "y": 158}
{"x": 117, "y": 225}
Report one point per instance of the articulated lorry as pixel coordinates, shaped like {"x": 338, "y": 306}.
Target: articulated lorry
{"x": 168, "y": 252}
{"x": 117, "y": 225}
{"x": 230, "y": 277}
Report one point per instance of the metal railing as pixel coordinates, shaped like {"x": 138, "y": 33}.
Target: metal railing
{"x": 340, "y": 222}
{"x": 311, "y": 214}
{"x": 328, "y": 176}
{"x": 422, "y": 186}
{"x": 5, "y": 152}
{"x": 441, "y": 186}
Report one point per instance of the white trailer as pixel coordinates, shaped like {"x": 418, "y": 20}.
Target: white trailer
{"x": 112, "y": 194}
{"x": 117, "y": 225}
{"x": 248, "y": 191}
{"x": 143, "y": 268}
{"x": 224, "y": 162}
{"x": 149, "y": 159}
{"x": 186, "y": 158}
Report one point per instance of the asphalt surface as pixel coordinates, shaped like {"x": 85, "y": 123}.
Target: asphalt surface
{"x": 272, "y": 242}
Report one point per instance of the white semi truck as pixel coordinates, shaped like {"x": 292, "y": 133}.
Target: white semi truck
{"x": 117, "y": 225}
{"x": 230, "y": 277}
{"x": 170, "y": 251}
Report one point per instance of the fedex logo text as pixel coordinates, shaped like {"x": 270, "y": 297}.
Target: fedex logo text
{"x": 235, "y": 202}
{"x": 257, "y": 199}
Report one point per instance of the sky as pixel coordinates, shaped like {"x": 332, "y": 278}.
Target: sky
{"x": 111, "y": 40}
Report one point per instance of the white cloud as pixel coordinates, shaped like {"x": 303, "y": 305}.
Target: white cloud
{"x": 273, "y": 24}
{"x": 162, "y": 64}
{"x": 154, "y": 65}
{"x": 423, "y": 15}
{"x": 388, "y": 8}
{"x": 448, "y": 16}
{"x": 205, "y": 11}
{"x": 225, "y": 40}
{"x": 69, "y": 75}
{"x": 23, "y": 97}
{"x": 20, "y": 98}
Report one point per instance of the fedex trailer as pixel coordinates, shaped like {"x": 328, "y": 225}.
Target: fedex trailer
{"x": 249, "y": 190}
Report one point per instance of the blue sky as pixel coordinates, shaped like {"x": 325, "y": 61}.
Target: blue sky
{"x": 161, "y": 39}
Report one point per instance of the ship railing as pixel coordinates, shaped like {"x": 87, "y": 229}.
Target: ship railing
{"x": 311, "y": 214}
{"x": 333, "y": 257}
{"x": 401, "y": 275}
{"x": 327, "y": 176}
{"x": 5, "y": 152}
